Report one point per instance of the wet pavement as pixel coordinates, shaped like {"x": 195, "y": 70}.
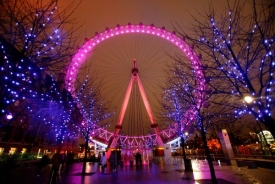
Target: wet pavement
{"x": 153, "y": 174}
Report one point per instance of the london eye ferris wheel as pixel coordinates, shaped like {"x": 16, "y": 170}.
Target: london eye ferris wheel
{"x": 113, "y": 55}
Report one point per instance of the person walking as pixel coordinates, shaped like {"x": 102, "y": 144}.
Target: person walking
{"x": 103, "y": 161}
{"x": 63, "y": 161}
{"x": 44, "y": 161}
{"x": 136, "y": 158}
{"x": 113, "y": 160}
{"x": 56, "y": 161}
{"x": 139, "y": 159}
{"x": 69, "y": 162}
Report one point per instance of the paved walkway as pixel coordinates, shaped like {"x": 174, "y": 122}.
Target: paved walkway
{"x": 146, "y": 174}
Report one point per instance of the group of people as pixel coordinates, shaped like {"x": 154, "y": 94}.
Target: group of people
{"x": 114, "y": 160}
{"x": 59, "y": 161}
{"x": 138, "y": 159}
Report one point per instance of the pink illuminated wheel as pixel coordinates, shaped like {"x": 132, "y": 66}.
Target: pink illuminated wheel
{"x": 110, "y": 56}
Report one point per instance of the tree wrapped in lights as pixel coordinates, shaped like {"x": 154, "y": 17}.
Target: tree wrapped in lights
{"x": 238, "y": 55}
{"x": 40, "y": 31}
{"x": 173, "y": 109}
{"x": 27, "y": 90}
{"x": 93, "y": 110}
{"x": 35, "y": 38}
{"x": 183, "y": 104}
{"x": 56, "y": 119}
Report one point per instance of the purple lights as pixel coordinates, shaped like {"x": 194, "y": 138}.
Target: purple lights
{"x": 80, "y": 57}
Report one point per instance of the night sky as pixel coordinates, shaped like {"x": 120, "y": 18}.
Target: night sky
{"x": 97, "y": 15}
{"x": 112, "y": 59}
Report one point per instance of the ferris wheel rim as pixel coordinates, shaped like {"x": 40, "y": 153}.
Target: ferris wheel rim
{"x": 87, "y": 47}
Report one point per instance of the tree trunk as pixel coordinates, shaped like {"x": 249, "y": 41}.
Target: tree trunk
{"x": 208, "y": 156}
{"x": 85, "y": 153}
{"x": 186, "y": 166}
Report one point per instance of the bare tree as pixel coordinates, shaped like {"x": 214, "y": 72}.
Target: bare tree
{"x": 36, "y": 38}
{"x": 93, "y": 109}
{"x": 237, "y": 49}
{"x": 41, "y": 31}
{"x": 179, "y": 103}
{"x": 172, "y": 111}
{"x": 190, "y": 106}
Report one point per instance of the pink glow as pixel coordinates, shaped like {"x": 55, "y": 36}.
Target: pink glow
{"x": 80, "y": 57}
{"x": 145, "y": 100}
{"x": 125, "y": 103}
{"x": 148, "y": 109}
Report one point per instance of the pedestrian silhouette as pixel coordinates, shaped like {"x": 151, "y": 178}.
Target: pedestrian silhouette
{"x": 70, "y": 160}
{"x": 44, "y": 161}
{"x": 56, "y": 161}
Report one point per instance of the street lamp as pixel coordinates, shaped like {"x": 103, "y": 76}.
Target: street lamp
{"x": 9, "y": 116}
{"x": 248, "y": 99}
